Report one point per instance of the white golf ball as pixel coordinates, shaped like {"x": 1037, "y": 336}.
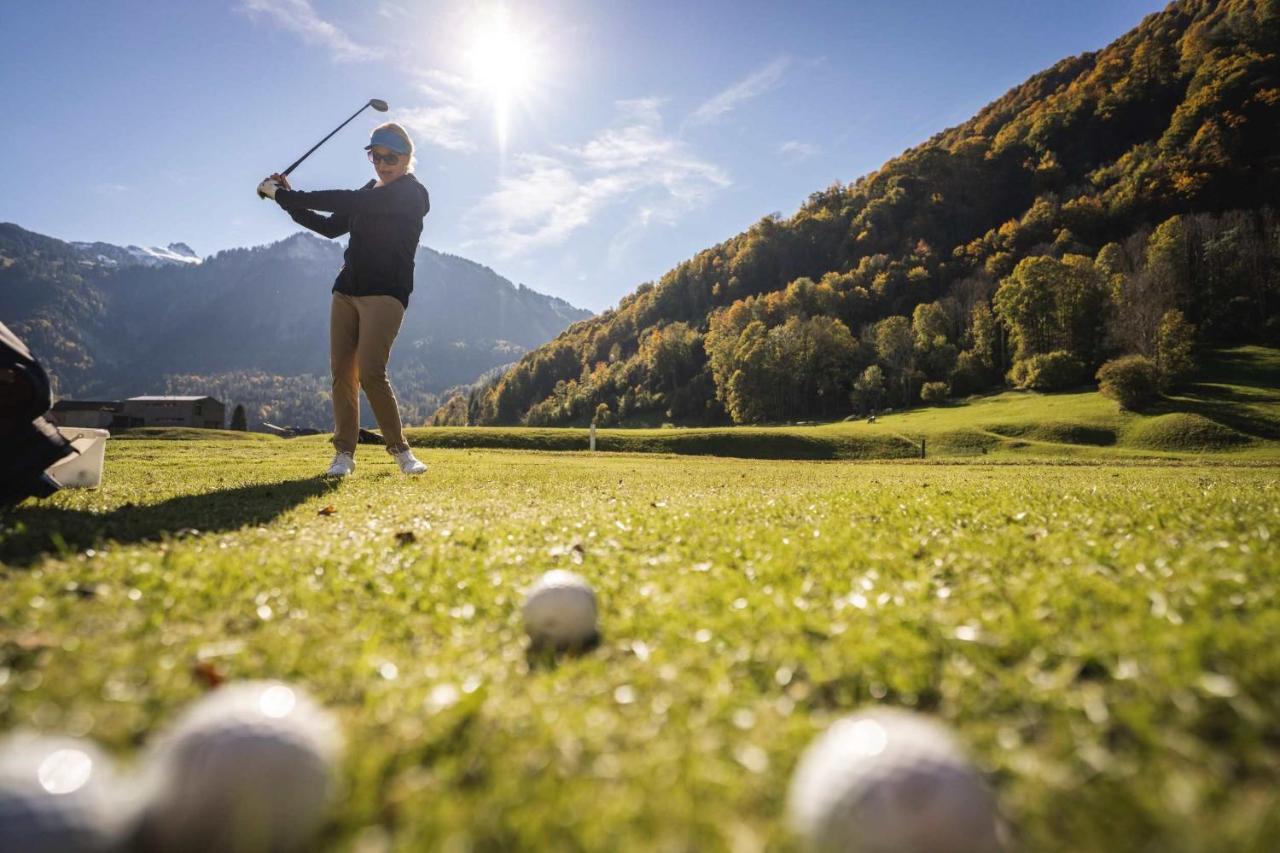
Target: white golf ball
{"x": 60, "y": 794}
{"x": 887, "y": 780}
{"x": 248, "y": 767}
{"x": 560, "y": 610}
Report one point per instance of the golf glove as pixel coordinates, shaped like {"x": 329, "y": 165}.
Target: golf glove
{"x": 267, "y": 189}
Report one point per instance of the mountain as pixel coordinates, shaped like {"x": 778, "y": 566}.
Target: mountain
{"x": 1105, "y": 195}
{"x": 251, "y": 324}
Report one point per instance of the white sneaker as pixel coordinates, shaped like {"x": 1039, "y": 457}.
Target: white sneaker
{"x": 409, "y": 463}
{"x": 342, "y": 465}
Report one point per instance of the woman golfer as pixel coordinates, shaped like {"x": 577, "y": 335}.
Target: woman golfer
{"x": 372, "y": 291}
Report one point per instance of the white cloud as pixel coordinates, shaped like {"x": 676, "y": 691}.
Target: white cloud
{"x": 445, "y": 119}
{"x": 550, "y": 196}
{"x": 298, "y": 16}
{"x": 443, "y": 125}
{"x": 442, "y": 120}
{"x": 441, "y": 85}
{"x": 797, "y": 150}
{"x": 749, "y": 87}
{"x": 392, "y": 11}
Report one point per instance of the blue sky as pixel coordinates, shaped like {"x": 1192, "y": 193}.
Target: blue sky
{"x": 636, "y": 133}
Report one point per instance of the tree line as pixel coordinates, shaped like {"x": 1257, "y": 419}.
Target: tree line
{"x": 303, "y": 400}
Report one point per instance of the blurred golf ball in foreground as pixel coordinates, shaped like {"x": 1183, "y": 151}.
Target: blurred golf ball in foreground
{"x": 888, "y": 780}
{"x": 560, "y": 611}
{"x": 248, "y": 767}
{"x": 60, "y": 794}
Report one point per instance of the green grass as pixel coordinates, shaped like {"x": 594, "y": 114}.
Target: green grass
{"x": 1105, "y": 638}
{"x": 190, "y": 434}
{"x": 1231, "y": 409}
{"x": 1183, "y": 431}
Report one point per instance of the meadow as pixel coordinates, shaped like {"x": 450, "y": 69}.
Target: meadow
{"x": 1230, "y": 409}
{"x": 1103, "y": 637}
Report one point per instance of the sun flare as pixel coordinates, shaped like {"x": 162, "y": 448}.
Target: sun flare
{"x": 504, "y": 65}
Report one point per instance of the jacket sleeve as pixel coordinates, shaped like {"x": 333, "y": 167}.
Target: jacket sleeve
{"x": 399, "y": 197}
{"x": 334, "y": 225}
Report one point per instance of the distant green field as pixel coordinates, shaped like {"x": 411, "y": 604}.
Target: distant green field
{"x": 1231, "y": 409}
{"x": 1105, "y": 638}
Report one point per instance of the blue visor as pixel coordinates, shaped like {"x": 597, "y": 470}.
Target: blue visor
{"x": 388, "y": 139}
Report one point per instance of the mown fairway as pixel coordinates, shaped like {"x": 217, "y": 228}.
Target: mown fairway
{"x": 1105, "y": 638}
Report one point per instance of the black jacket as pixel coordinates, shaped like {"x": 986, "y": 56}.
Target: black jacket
{"x": 385, "y": 224}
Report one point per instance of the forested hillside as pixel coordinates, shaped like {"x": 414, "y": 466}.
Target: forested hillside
{"x": 1113, "y": 204}
{"x": 251, "y": 325}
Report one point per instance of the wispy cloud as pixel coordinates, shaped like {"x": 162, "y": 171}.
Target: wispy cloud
{"x": 300, "y": 18}
{"x": 796, "y": 150}
{"x": 441, "y": 119}
{"x": 443, "y": 125}
{"x": 550, "y": 196}
{"x": 444, "y": 119}
{"x": 440, "y": 85}
{"x": 392, "y": 11}
{"x": 751, "y": 86}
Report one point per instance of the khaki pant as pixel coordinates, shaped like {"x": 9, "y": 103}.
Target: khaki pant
{"x": 361, "y": 332}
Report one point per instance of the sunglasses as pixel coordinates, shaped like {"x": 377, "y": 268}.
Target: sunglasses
{"x": 389, "y": 159}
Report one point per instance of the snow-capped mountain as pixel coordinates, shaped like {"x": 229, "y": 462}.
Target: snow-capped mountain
{"x": 108, "y": 255}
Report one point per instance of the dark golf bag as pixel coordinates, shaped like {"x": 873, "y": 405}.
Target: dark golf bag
{"x": 28, "y": 443}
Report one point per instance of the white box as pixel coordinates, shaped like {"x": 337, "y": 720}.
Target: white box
{"x": 83, "y": 471}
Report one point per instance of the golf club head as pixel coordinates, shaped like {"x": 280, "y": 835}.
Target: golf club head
{"x": 380, "y": 106}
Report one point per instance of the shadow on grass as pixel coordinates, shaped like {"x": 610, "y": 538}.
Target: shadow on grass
{"x": 545, "y": 657}
{"x": 1221, "y": 404}
{"x": 32, "y": 531}
{"x": 1243, "y": 366}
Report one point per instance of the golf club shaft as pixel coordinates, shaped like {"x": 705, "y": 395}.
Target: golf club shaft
{"x": 295, "y": 163}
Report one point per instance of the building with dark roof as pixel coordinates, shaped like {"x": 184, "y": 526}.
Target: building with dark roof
{"x": 94, "y": 414}
{"x": 199, "y": 412}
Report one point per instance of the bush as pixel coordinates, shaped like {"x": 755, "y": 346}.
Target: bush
{"x": 603, "y": 416}
{"x": 969, "y": 375}
{"x": 934, "y": 392}
{"x": 1052, "y": 371}
{"x": 1132, "y": 380}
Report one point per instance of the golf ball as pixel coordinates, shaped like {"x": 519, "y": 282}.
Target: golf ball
{"x": 60, "y": 794}
{"x": 248, "y": 767}
{"x": 887, "y": 780}
{"x": 560, "y": 611}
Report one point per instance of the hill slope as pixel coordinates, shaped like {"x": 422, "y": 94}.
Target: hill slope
{"x": 1177, "y": 117}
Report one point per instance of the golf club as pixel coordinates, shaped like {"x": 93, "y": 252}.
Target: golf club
{"x": 380, "y": 106}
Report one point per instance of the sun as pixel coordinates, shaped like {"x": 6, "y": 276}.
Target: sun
{"x": 504, "y": 66}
